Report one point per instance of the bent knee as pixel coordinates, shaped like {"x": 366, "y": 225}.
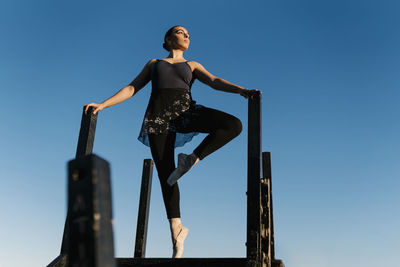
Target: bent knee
{"x": 236, "y": 126}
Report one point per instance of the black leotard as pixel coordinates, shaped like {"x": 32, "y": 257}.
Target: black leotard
{"x": 171, "y": 106}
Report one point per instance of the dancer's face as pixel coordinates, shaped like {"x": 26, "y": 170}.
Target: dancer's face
{"x": 179, "y": 39}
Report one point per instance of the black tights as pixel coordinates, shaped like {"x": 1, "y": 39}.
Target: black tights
{"x": 221, "y": 128}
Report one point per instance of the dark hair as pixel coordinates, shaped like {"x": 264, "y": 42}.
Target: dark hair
{"x": 169, "y": 32}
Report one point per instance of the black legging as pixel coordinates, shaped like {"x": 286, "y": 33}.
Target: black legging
{"x": 222, "y": 127}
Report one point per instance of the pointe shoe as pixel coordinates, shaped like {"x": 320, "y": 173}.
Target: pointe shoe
{"x": 178, "y": 243}
{"x": 185, "y": 162}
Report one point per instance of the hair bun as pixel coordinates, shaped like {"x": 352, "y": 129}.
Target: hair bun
{"x": 165, "y": 46}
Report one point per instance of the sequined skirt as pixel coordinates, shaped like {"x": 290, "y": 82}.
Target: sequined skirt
{"x": 169, "y": 110}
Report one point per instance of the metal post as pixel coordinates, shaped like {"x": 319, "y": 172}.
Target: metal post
{"x": 253, "y": 179}
{"x": 90, "y": 233}
{"x": 144, "y": 206}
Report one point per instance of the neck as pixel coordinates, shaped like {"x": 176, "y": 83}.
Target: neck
{"x": 176, "y": 54}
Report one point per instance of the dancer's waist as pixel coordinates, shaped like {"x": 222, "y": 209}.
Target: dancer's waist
{"x": 170, "y": 92}
{"x": 163, "y": 90}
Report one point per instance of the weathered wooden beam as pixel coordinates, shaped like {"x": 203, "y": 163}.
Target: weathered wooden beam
{"x": 84, "y": 147}
{"x": 253, "y": 180}
{"x": 277, "y": 263}
{"x": 267, "y": 218}
{"x": 266, "y": 211}
{"x": 90, "y": 233}
{"x": 86, "y": 133}
{"x": 60, "y": 261}
{"x": 182, "y": 262}
{"x": 267, "y": 174}
{"x": 144, "y": 206}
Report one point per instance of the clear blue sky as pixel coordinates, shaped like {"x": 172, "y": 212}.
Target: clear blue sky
{"x": 328, "y": 71}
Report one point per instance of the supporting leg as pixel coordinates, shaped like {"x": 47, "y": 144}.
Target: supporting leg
{"x": 162, "y": 148}
{"x": 178, "y": 236}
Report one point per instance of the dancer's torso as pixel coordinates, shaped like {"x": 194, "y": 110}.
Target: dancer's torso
{"x": 166, "y": 75}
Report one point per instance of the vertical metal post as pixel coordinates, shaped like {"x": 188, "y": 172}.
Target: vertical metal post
{"x": 90, "y": 233}
{"x": 253, "y": 179}
{"x": 85, "y": 147}
{"x": 144, "y": 206}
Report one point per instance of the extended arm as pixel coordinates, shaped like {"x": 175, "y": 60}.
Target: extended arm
{"x": 128, "y": 91}
{"x": 218, "y": 83}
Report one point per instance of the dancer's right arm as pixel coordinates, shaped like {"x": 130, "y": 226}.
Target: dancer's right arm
{"x": 128, "y": 91}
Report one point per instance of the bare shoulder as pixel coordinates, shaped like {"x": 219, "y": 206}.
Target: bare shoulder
{"x": 195, "y": 65}
{"x": 201, "y": 73}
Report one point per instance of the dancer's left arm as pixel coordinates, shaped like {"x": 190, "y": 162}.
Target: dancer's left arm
{"x": 218, "y": 83}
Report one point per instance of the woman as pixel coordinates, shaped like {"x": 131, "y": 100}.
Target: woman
{"x": 172, "y": 119}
